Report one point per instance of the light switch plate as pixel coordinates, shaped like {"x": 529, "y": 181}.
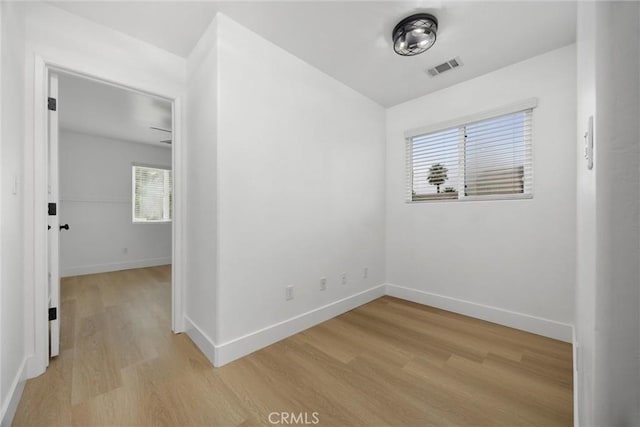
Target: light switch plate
{"x": 588, "y": 144}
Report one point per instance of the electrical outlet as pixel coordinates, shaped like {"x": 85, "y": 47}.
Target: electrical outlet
{"x": 365, "y": 272}
{"x": 343, "y": 278}
{"x": 323, "y": 283}
{"x": 289, "y": 293}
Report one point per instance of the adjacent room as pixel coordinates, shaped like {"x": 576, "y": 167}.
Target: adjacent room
{"x": 320, "y": 212}
{"x": 113, "y": 199}
{"x": 115, "y": 178}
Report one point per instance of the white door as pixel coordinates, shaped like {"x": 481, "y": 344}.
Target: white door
{"x": 54, "y": 228}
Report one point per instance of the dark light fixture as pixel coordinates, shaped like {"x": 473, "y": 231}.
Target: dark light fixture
{"x": 415, "y": 34}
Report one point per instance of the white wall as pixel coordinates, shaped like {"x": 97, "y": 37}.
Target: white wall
{"x": 618, "y": 215}
{"x": 300, "y": 185}
{"x": 608, "y": 313}
{"x": 12, "y": 331}
{"x": 201, "y": 182}
{"x": 512, "y": 261}
{"x": 83, "y": 46}
{"x": 585, "y": 294}
{"x": 95, "y": 200}
{"x": 298, "y": 191}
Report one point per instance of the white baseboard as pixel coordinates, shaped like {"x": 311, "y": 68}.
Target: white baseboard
{"x": 10, "y": 404}
{"x": 221, "y": 354}
{"x": 235, "y": 349}
{"x": 114, "y": 266}
{"x": 525, "y": 322}
{"x": 206, "y": 345}
{"x": 576, "y": 378}
{"x": 35, "y": 367}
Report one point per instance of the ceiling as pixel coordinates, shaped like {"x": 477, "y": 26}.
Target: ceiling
{"x": 351, "y": 41}
{"x": 96, "y": 108}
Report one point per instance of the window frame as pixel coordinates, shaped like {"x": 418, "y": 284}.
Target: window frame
{"x": 460, "y": 123}
{"x": 133, "y": 194}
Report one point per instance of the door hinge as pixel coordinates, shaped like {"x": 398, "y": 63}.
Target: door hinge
{"x": 52, "y": 209}
{"x": 52, "y": 104}
{"x": 53, "y": 313}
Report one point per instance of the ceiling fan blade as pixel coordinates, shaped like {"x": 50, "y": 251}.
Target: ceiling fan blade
{"x": 160, "y": 129}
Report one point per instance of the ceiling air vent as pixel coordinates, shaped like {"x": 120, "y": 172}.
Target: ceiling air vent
{"x": 445, "y": 66}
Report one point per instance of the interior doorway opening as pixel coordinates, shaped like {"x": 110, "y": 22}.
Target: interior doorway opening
{"x": 112, "y": 196}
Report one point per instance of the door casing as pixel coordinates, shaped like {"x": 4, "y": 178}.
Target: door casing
{"x": 39, "y": 360}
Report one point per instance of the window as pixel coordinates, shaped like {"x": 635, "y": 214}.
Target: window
{"x": 488, "y": 158}
{"x": 152, "y": 194}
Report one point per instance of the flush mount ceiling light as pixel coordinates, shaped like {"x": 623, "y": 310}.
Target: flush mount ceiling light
{"x": 415, "y": 34}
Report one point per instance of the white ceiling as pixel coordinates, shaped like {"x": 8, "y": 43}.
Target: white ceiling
{"x": 351, "y": 41}
{"x": 95, "y": 108}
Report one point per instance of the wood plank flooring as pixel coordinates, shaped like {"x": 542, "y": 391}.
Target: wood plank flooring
{"x": 389, "y": 362}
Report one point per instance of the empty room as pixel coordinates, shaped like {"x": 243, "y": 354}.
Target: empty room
{"x": 113, "y": 204}
{"x": 319, "y": 213}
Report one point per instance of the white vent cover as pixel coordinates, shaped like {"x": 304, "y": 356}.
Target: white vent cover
{"x": 445, "y": 66}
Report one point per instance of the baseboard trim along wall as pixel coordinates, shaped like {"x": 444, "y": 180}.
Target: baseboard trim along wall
{"x": 10, "y": 405}
{"x": 525, "y": 322}
{"x": 235, "y": 349}
{"x": 576, "y": 377}
{"x": 114, "y": 266}
{"x": 201, "y": 340}
{"x": 221, "y": 354}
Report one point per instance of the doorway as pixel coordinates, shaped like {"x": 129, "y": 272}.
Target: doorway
{"x": 153, "y": 173}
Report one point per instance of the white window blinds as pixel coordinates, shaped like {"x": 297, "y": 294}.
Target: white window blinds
{"x": 498, "y": 155}
{"x": 485, "y": 159}
{"x": 436, "y": 165}
{"x": 152, "y": 194}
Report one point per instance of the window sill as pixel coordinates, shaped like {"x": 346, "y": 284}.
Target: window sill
{"x": 495, "y": 197}
{"x": 435, "y": 197}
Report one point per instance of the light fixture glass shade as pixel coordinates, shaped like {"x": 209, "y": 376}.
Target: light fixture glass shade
{"x": 415, "y": 34}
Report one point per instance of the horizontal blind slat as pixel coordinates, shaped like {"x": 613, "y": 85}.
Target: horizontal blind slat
{"x": 505, "y": 136}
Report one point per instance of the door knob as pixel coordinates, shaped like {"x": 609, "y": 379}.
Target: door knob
{"x": 64, "y": 227}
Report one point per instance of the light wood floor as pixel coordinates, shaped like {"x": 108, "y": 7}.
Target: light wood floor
{"x": 389, "y": 362}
